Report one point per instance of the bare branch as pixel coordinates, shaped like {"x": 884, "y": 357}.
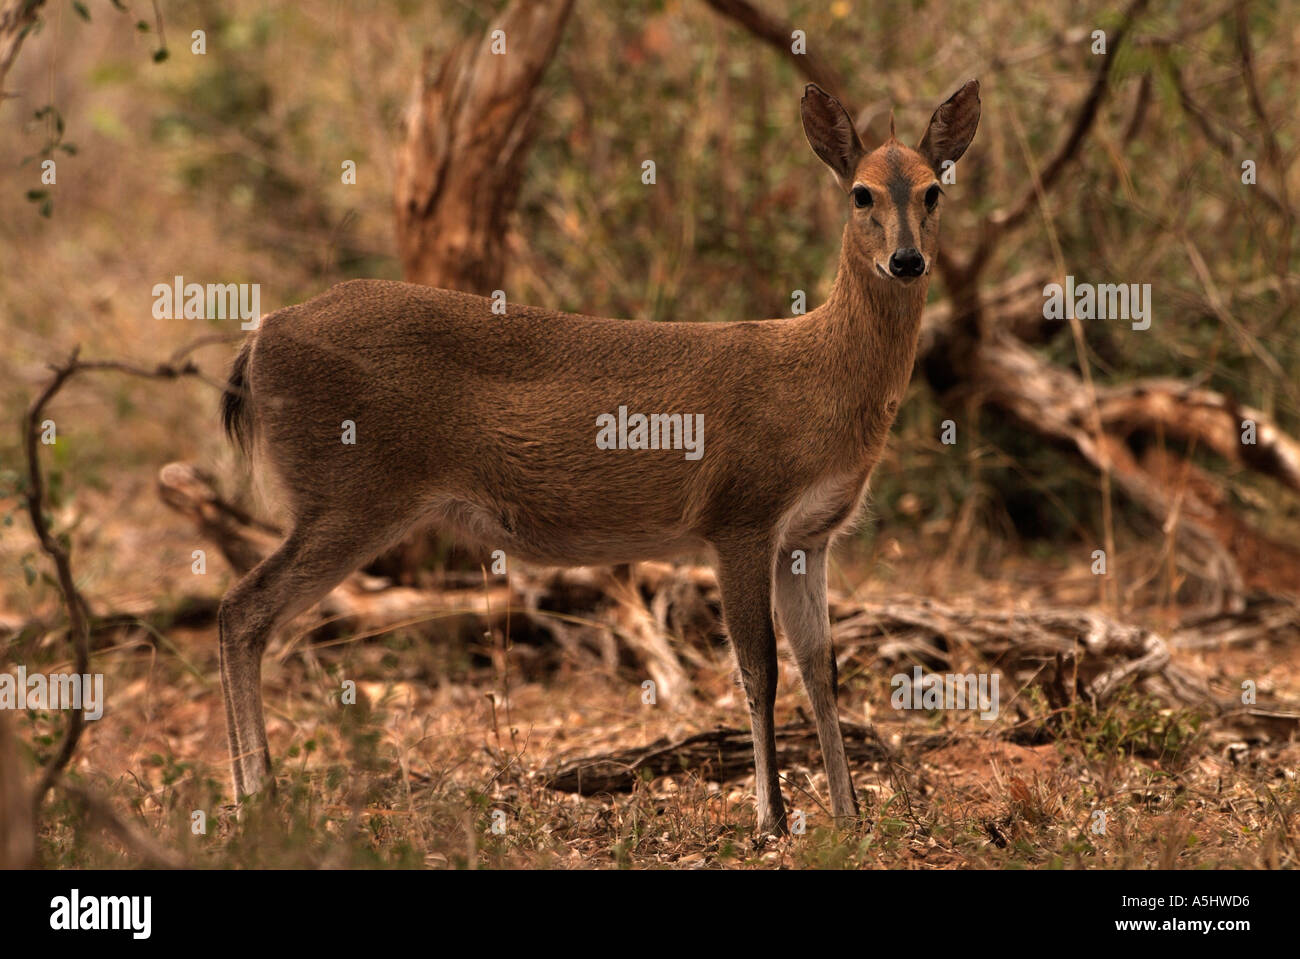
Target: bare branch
{"x": 34, "y": 496}
{"x": 17, "y": 20}
{"x": 1217, "y": 139}
{"x": 1000, "y": 222}
{"x": 1273, "y": 151}
{"x": 777, "y": 34}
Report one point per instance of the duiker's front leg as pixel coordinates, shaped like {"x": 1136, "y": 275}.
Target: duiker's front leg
{"x": 745, "y": 574}
{"x": 801, "y": 605}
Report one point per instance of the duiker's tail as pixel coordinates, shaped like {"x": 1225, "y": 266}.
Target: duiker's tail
{"x": 235, "y": 412}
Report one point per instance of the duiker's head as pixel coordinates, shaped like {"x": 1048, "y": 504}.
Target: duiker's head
{"x": 893, "y": 192}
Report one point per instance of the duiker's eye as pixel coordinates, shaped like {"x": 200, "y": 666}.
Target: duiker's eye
{"x": 932, "y": 196}
{"x": 861, "y": 197}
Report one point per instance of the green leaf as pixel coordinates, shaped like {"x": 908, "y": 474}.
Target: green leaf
{"x": 142, "y": 26}
{"x": 81, "y": 10}
{"x": 34, "y": 195}
{"x": 160, "y": 55}
{"x": 47, "y": 208}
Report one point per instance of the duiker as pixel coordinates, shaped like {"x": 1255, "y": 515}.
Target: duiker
{"x": 493, "y": 425}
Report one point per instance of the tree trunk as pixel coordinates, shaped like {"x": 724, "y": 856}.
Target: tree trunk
{"x": 468, "y": 127}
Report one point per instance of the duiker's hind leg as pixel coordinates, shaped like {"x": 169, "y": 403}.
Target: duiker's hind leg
{"x": 801, "y": 607}
{"x": 315, "y": 558}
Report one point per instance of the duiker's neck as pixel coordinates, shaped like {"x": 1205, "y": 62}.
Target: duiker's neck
{"x": 873, "y": 322}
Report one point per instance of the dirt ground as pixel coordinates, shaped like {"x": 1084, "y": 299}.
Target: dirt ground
{"x": 441, "y": 761}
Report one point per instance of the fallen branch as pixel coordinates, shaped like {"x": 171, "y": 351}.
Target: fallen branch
{"x": 613, "y": 609}
{"x": 242, "y": 539}
{"x": 719, "y": 754}
{"x": 665, "y": 616}
{"x": 146, "y": 850}
{"x": 1264, "y": 618}
{"x": 1193, "y": 414}
{"x": 1053, "y": 402}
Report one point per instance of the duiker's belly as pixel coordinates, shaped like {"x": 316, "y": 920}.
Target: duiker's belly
{"x": 593, "y": 537}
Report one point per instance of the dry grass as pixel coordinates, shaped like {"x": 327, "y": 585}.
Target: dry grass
{"x": 414, "y": 773}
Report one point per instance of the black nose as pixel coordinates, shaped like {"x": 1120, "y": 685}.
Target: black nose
{"x": 907, "y": 262}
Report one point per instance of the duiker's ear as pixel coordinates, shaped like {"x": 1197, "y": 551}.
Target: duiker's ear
{"x": 952, "y": 127}
{"x": 830, "y": 133}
